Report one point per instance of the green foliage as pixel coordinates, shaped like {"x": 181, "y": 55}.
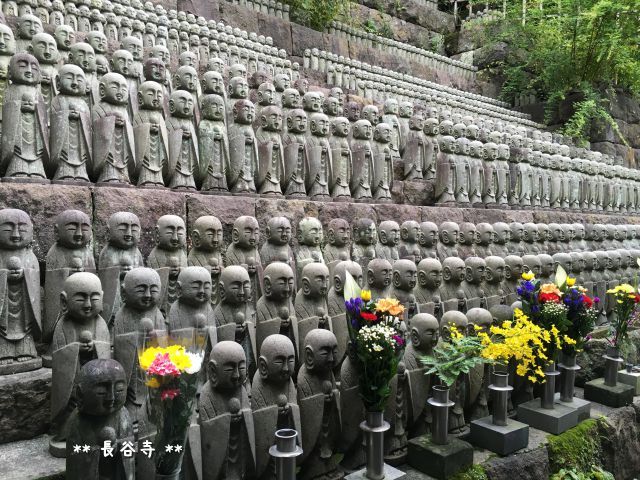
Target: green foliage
{"x": 596, "y": 473}
{"x": 451, "y": 358}
{"x": 382, "y": 28}
{"x": 317, "y": 14}
{"x": 475, "y": 472}
{"x": 578, "y": 448}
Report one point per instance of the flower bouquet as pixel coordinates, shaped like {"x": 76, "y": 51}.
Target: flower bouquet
{"x": 376, "y": 336}
{"x": 172, "y": 378}
{"x": 626, "y": 300}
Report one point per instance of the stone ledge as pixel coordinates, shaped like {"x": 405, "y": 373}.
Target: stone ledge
{"x": 30, "y": 460}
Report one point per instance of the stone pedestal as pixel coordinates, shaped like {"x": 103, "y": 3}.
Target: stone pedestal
{"x": 390, "y": 473}
{"x": 439, "y": 461}
{"x": 500, "y": 439}
{"x": 583, "y": 406}
{"x": 630, "y": 378}
{"x": 614, "y": 396}
{"x": 556, "y": 420}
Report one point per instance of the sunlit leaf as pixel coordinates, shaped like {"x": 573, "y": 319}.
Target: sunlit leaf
{"x": 351, "y": 287}
{"x": 561, "y": 277}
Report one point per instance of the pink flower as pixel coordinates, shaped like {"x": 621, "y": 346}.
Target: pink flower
{"x": 169, "y": 393}
{"x": 399, "y": 340}
{"x": 163, "y": 366}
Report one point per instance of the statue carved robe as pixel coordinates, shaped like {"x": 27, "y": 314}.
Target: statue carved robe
{"x": 270, "y": 162}
{"x": 319, "y": 167}
{"x": 213, "y": 144}
{"x": 113, "y": 144}
{"x": 382, "y": 171}
{"x": 342, "y": 168}
{"x": 184, "y": 157}
{"x": 362, "y": 178}
{"x": 244, "y": 159}
{"x": 295, "y": 164}
{"x": 152, "y": 148}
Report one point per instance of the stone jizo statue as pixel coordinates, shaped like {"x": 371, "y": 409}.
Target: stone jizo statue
{"x": 184, "y": 156}
{"x": 213, "y": 145}
{"x": 243, "y": 149}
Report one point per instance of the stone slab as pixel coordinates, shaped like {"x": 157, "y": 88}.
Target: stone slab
{"x": 24, "y": 405}
{"x": 439, "y": 461}
{"x": 556, "y": 421}
{"x": 502, "y": 440}
{"x": 226, "y": 207}
{"x": 390, "y": 473}
{"x": 632, "y": 379}
{"x": 583, "y": 406}
{"x": 30, "y": 460}
{"x": 618, "y": 396}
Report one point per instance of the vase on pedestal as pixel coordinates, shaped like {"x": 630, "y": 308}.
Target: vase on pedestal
{"x": 500, "y": 389}
{"x": 547, "y": 399}
{"x": 440, "y": 404}
{"x": 612, "y": 363}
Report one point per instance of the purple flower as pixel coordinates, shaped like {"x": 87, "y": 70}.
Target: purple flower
{"x": 596, "y": 299}
{"x": 528, "y": 286}
{"x": 353, "y": 305}
{"x": 399, "y": 340}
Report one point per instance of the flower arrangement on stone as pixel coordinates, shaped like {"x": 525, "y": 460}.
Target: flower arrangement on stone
{"x": 626, "y": 300}
{"x": 562, "y": 307}
{"x": 171, "y": 375}
{"x": 377, "y": 341}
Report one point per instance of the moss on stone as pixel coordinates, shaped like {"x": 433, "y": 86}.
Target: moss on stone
{"x": 578, "y": 448}
{"x": 474, "y": 472}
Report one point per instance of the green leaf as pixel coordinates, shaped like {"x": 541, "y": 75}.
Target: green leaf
{"x": 561, "y": 277}
{"x": 351, "y": 287}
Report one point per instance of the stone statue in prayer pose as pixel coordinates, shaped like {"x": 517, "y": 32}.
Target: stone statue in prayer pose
{"x": 451, "y": 293}
{"x": 342, "y": 160}
{"x": 446, "y": 171}
{"x": 152, "y": 140}
{"x": 271, "y": 167}
{"x": 409, "y": 241}
{"x": 428, "y": 240}
{"x": 363, "y": 249}
{"x": 311, "y": 301}
{"x": 100, "y": 393}
{"x": 244, "y": 251}
{"x": 318, "y": 171}
{"x": 7, "y": 49}
{"x": 338, "y": 246}
{"x": 25, "y": 138}
{"x": 213, "y": 144}
{"x": 379, "y": 277}
{"x": 512, "y": 274}
{"x": 20, "y": 320}
{"x": 467, "y": 240}
{"x": 448, "y": 245}
{"x": 428, "y": 285}
{"x": 295, "y": 153}
{"x": 243, "y": 149}
{"x": 309, "y": 237}
{"x": 225, "y": 419}
{"x": 277, "y": 248}
{"x": 43, "y": 47}
{"x": 493, "y": 278}
{"x": 383, "y": 156}
{"x": 362, "y": 155}
{"x": 389, "y": 238}
{"x": 405, "y": 275}
{"x": 80, "y": 335}
{"x": 171, "y": 242}
{"x": 472, "y": 285}
{"x": 184, "y": 156}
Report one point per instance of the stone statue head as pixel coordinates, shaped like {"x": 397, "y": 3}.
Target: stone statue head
{"x": 227, "y": 369}
{"x": 424, "y": 332}
{"x": 271, "y": 118}
{"x": 243, "y": 112}
{"x": 577, "y": 262}
{"x": 24, "y": 69}
{"x": 332, "y": 107}
{"x": 278, "y": 231}
{"x": 291, "y": 98}
{"x": 315, "y": 280}
{"x": 405, "y": 274}
{"x": 410, "y": 231}
{"x": 364, "y": 231}
{"x": 532, "y": 263}
{"x": 309, "y": 232}
{"x": 370, "y": 113}
{"x": 494, "y": 273}
{"x": 339, "y": 274}
{"x": 71, "y": 80}
{"x": 416, "y": 122}
{"x": 431, "y": 126}
{"x": 238, "y": 87}
{"x": 207, "y": 233}
{"x": 101, "y": 388}
{"x": 73, "y": 229}
{"x": 352, "y": 111}
{"x": 513, "y": 268}
{"x": 16, "y": 229}
{"x": 7, "y": 41}
{"x": 530, "y": 232}
{"x": 564, "y": 260}
{"x": 235, "y": 285}
{"x": 98, "y": 41}
{"x": 614, "y": 260}
{"x": 81, "y": 297}
{"x": 134, "y": 45}
{"x": 517, "y": 231}
{"x": 150, "y": 96}
{"x": 544, "y": 232}
{"x": 389, "y": 233}
{"x": 212, "y": 82}
{"x": 113, "y": 88}
{"x": 189, "y": 59}
{"x": 428, "y": 234}
{"x": 277, "y": 359}
{"x": 449, "y": 319}
{"x": 449, "y": 232}
{"x": 391, "y": 106}
{"x": 171, "y": 233}
{"x": 590, "y": 261}
{"x": 181, "y": 104}
{"x": 475, "y": 268}
{"x": 580, "y": 231}
{"x": 161, "y": 52}
{"x": 320, "y": 351}
{"x": 312, "y": 101}
{"x": 239, "y": 70}
{"x": 547, "y": 265}
{"x": 430, "y": 273}
{"x": 485, "y": 233}
{"x": 379, "y": 273}
{"x": 266, "y": 94}
{"x": 122, "y": 63}
{"x": 453, "y": 270}
{"x": 557, "y": 234}
{"x": 246, "y": 232}
{"x": 43, "y": 47}
{"x": 479, "y": 319}
{"x": 216, "y": 64}
{"x": 141, "y": 289}
{"x": 338, "y": 232}
{"x": 468, "y": 233}
{"x": 28, "y": 26}
{"x": 155, "y": 69}
{"x": 186, "y": 78}
{"x": 124, "y": 230}
{"x": 405, "y": 109}
{"x": 194, "y": 286}
{"x": 502, "y": 233}
{"x": 382, "y": 133}
{"x": 279, "y": 281}
{"x": 281, "y": 82}
{"x": 362, "y": 130}
{"x": 297, "y": 121}
{"x": 319, "y": 125}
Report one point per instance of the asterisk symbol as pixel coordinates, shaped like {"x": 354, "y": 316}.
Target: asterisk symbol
{"x": 86, "y": 448}
{"x": 168, "y": 448}
{"x": 178, "y": 448}
{"x": 77, "y": 448}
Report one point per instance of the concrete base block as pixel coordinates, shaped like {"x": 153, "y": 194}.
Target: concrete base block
{"x": 390, "y": 473}
{"x": 618, "y": 396}
{"x": 439, "y": 461}
{"x": 558, "y": 420}
{"x": 632, "y": 379}
{"x": 502, "y": 440}
{"x": 583, "y": 407}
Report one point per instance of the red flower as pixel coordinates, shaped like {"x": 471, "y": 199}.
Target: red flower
{"x": 169, "y": 393}
{"x": 369, "y": 317}
{"x": 549, "y": 297}
{"x": 587, "y": 301}
{"x": 636, "y": 298}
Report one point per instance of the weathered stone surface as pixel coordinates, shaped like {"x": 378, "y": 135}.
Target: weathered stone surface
{"x": 148, "y": 205}
{"x": 349, "y": 211}
{"x": 30, "y": 460}
{"x": 488, "y": 55}
{"x": 43, "y": 203}
{"x": 531, "y": 465}
{"x": 24, "y": 405}
{"x": 620, "y": 439}
{"x": 276, "y": 28}
{"x": 418, "y": 193}
{"x": 303, "y": 38}
{"x": 398, "y": 213}
{"x": 424, "y": 14}
{"x": 294, "y": 210}
{"x": 208, "y": 9}
{"x": 238, "y": 16}
{"x": 438, "y": 215}
{"x": 226, "y": 208}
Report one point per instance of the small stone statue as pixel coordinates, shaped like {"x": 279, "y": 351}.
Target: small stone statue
{"x": 43, "y": 47}
{"x": 318, "y": 171}
{"x": 428, "y": 240}
{"x": 451, "y": 293}
{"x": 100, "y": 393}
{"x": 484, "y": 239}
{"x": 493, "y": 278}
{"x": 415, "y": 155}
{"x": 243, "y": 149}
{"x": 390, "y": 117}
{"x": 547, "y": 266}
{"x": 27, "y": 26}
{"x": 113, "y": 140}
{"x": 472, "y": 286}
{"x": 225, "y": 419}
{"x": 238, "y": 89}
{"x": 277, "y": 248}
{"x": 150, "y": 130}
{"x": 458, "y": 391}
{"x": 448, "y": 245}
{"x": 446, "y": 188}
{"x": 20, "y": 320}
{"x": 295, "y": 153}
{"x": 342, "y": 160}
{"x": 100, "y": 45}
{"x": 311, "y": 301}
{"x": 362, "y": 155}
{"x": 405, "y": 275}
{"x": 184, "y": 156}
{"x": 516, "y": 245}
{"x": 206, "y": 251}
{"x": 7, "y": 49}
{"x": 512, "y": 275}
{"x": 271, "y": 167}
{"x": 410, "y": 241}
{"x": 379, "y": 277}
{"x": 123, "y": 237}
{"x": 25, "y": 139}
{"x": 80, "y": 335}
{"x": 319, "y": 402}
{"x": 171, "y": 242}
{"x": 371, "y": 114}
{"x": 273, "y": 399}
{"x": 530, "y": 238}
{"x": 82, "y": 55}
{"x": 501, "y": 239}
{"x": 363, "y": 249}
{"x": 467, "y": 240}
{"x": 338, "y": 246}
{"x": 383, "y": 159}
{"x": 244, "y": 251}
{"x": 389, "y": 237}
{"x": 428, "y": 284}
{"x": 213, "y": 145}
{"x": 309, "y": 237}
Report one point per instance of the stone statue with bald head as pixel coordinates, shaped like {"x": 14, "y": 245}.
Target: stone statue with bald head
{"x": 277, "y": 247}
{"x": 448, "y": 244}
{"x": 365, "y": 239}
{"x": 428, "y": 284}
{"x": 243, "y": 148}
{"x": 311, "y": 300}
{"x": 309, "y": 236}
{"x": 338, "y": 246}
{"x": 226, "y": 423}
{"x": 213, "y": 145}
{"x": 274, "y": 310}
{"x": 184, "y": 154}
{"x": 451, "y": 293}
{"x": 80, "y": 335}
{"x": 428, "y": 240}
{"x": 379, "y": 277}
{"x": 388, "y": 240}
{"x": 404, "y": 278}
{"x": 410, "y": 241}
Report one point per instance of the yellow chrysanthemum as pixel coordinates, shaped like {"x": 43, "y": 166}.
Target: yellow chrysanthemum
{"x": 365, "y": 295}
{"x": 623, "y": 288}
{"x": 177, "y": 355}
{"x": 455, "y": 333}
{"x": 528, "y": 275}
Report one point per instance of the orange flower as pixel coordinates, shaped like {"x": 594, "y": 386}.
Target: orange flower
{"x": 390, "y": 305}
{"x": 550, "y": 288}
